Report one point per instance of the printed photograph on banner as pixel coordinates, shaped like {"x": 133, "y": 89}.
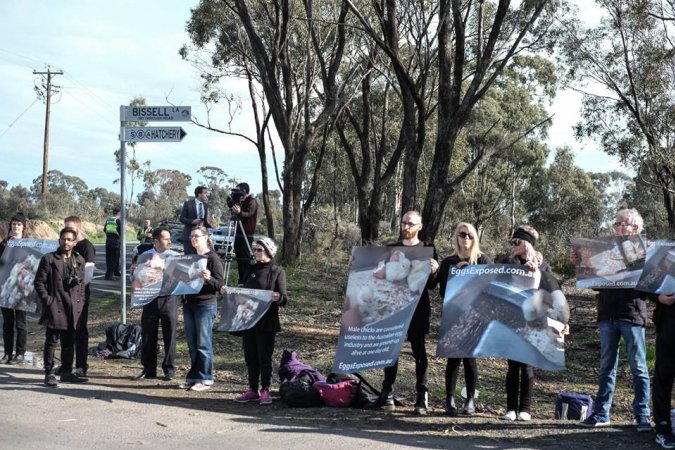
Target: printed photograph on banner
{"x": 609, "y": 262}
{"x": 158, "y": 275}
{"x": 658, "y": 274}
{"x": 505, "y": 311}
{"x": 383, "y": 289}
{"x": 242, "y": 308}
{"x": 18, "y": 266}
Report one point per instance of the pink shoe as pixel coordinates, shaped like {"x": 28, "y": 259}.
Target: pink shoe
{"x": 265, "y": 398}
{"x": 247, "y": 396}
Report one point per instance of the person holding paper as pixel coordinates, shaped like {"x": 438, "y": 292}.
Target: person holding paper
{"x": 467, "y": 251}
{"x": 86, "y": 250}
{"x": 411, "y": 225}
{"x": 13, "y": 318}
{"x": 258, "y": 341}
{"x": 199, "y": 312}
{"x": 622, "y": 314}
{"x": 520, "y": 376}
{"x": 162, "y": 309}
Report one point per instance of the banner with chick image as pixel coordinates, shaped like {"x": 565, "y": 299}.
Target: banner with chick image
{"x": 383, "y": 289}
{"x": 506, "y": 311}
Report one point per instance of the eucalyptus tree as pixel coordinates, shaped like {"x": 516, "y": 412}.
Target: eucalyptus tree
{"x": 294, "y": 51}
{"x": 447, "y": 54}
{"x": 627, "y": 64}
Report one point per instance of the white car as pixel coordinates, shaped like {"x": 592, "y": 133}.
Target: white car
{"x": 223, "y": 238}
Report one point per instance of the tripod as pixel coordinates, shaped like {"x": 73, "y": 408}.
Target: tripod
{"x": 235, "y": 223}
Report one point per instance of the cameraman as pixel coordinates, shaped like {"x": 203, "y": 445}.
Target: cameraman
{"x": 245, "y": 207}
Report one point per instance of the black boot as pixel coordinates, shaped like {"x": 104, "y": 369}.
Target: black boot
{"x": 469, "y": 407}
{"x": 386, "y": 400}
{"x": 421, "y": 404}
{"x": 450, "y": 407}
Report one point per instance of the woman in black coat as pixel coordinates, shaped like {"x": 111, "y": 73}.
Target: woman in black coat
{"x": 467, "y": 251}
{"x": 258, "y": 341}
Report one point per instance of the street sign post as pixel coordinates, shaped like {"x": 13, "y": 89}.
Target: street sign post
{"x": 152, "y": 134}
{"x": 144, "y": 134}
{"x": 156, "y": 113}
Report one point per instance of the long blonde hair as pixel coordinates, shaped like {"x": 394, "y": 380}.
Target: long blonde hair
{"x": 474, "y": 251}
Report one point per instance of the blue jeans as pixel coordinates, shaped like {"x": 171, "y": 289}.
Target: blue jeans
{"x": 611, "y": 332}
{"x": 199, "y": 334}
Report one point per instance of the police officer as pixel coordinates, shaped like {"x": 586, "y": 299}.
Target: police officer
{"x": 113, "y": 230}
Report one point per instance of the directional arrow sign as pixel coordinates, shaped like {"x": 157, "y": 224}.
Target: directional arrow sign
{"x": 152, "y": 134}
{"x": 152, "y": 113}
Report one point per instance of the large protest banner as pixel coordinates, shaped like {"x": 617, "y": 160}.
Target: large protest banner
{"x": 242, "y": 308}
{"x": 505, "y": 311}
{"x": 18, "y": 266}
{"x": 658, "y": 274}
{"x": 383, "y": 289}
{"x": 609, "y": 262}
{"x": 159, "y": 274}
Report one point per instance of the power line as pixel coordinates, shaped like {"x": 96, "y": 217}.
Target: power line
{"x": 18, "y": 117}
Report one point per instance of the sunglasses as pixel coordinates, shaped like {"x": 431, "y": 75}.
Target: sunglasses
{"x": 409, "y": 224}
{"x": 622, "y": 224}
{"x": 465, "y": 235}
{"x": 516, "y": 242}
{"x": 258, "y": 249}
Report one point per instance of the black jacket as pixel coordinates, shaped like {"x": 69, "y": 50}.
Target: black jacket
{"x": 628, "y": 305}
{"x": 273, "y": 278}
{"x": 452, "y": 261}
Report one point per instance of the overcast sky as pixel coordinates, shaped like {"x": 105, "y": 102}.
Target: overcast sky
{"x": 113, "y": 51}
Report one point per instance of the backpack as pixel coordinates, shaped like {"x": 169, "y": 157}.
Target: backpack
{"x": 298, "y": 393}
{"x": 121, "y": 341}
{"x": 573, "y": 406}
{"x": 339, "y": 394}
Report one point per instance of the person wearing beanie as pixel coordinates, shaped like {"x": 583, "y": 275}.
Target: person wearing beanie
{"x": 258, "y": 342}
{"x": 14, "y": 319}
{"x": 520, "y": 376}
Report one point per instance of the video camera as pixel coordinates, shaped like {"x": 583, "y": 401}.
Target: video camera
{"x": 235, "y": 197}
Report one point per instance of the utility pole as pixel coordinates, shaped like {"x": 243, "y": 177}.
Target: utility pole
{"x": 48, "y": 91}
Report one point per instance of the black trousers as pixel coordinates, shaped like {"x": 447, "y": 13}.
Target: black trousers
{"x": 419, "y": 352}
{"x": 112, "y": 257}
{"x": 258, "y": 349}
{"x": 520, "y": 376}
{"x": 664, "y": 374}
{"x": 52, "y": 338}
{"x": 82, "y": 335}
{"x": 11, "y": 319}
{"x": 470, "y": 375}
{"x": 243, "y": 256}
{"x": 164, "y": 310}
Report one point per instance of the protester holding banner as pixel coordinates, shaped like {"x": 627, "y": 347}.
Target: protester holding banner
{"x": 411, "y": 225}
{"x": 59, "y": 283}
{"x": 520, "y": 376}
{"x": 467, "y": 251}
{"x": 258, "y": 342}
{"x": 199, "y": 312}
{"x": 162, "y": 309}
{"x": 13, "y": 318}
{"x": 622, "y": 313}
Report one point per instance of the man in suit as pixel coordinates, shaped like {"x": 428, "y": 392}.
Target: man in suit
{"x": 195, "y": 212}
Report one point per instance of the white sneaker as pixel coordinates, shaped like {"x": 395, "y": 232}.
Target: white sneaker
{"x": 510, "y": 415}
{"x": 524, "y": 416}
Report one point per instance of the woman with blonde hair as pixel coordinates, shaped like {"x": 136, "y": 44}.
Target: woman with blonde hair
{"x": 466, "y": 251}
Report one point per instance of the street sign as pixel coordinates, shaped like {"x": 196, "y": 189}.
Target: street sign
{"x": 152, "y": 134}
{"x": 151, "y": 113}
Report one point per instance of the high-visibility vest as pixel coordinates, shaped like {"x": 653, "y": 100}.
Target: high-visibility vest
{"x": 111, "y": 226}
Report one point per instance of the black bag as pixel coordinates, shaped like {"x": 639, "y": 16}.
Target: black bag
{"x": 299, "y": 393}
{"x": 122, "y": 341}
{"x": 573, "y": 406}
